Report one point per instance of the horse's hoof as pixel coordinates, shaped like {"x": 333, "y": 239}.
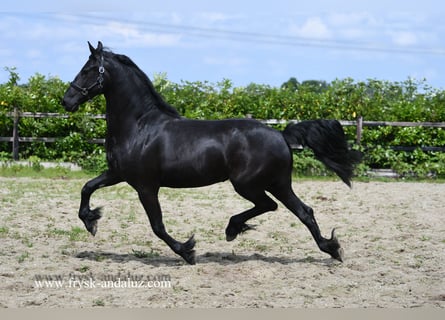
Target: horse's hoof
{"x": 230, "y": 237}
{"x": 233, "y": 232}
{"x": 89, "y": 218}
{"x": 188, "y": 254}
{"x": 92, "y": 228}
{"x": 189, "y": 257}
{"x": 338, "y": 252}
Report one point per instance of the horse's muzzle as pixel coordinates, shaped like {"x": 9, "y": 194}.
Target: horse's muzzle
{"x": 70, "y": 107}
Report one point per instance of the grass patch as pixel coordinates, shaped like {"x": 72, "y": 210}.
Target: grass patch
{"x": 58, "y": 172}
{"x": 23, "y": 171}
{"x": 4, "y": 231}
{"x": 132, "y": 217}
{"x": 100, "y": 257}
{"x": 83, "y": 269}
{"x": 246, "y": 243}
{"x": 75, "y": 234}
{"x": 27, "y": 242}
{"x": 278, "y": 236}
{"x": 21, "y": 258}
{"x": 262, "y": 248}
{"x": 118, "y": 237}
{"x": 98, "y": 303}
{"x": 78, "y": 234}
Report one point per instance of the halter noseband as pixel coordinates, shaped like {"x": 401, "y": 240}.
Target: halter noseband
{"x": 99, "y": 82}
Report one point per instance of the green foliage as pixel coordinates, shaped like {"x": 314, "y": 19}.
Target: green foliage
{"x": 95, "y": 162}
{"x": 343, "y": 99}
{"x": 305, "y": 164}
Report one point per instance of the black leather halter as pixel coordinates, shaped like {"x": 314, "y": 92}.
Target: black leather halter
{"x": 99, "y": 81}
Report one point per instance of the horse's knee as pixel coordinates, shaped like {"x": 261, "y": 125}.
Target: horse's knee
{"x": 86, "y": 189}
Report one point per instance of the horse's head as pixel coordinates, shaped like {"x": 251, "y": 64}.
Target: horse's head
{"x": 88, "y": 83}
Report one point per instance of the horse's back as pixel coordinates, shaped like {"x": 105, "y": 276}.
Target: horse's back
{"x": 196, "y": 152}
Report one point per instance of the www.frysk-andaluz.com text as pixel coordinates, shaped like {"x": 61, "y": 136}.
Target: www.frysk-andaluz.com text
{"x": 102, "y": 281}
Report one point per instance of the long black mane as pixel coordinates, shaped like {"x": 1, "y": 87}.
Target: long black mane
{"x": 158, "y": 99}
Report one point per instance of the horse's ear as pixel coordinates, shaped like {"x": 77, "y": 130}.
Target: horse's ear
{"x": 96, "y": 51}
{"x": 92, "y": 50}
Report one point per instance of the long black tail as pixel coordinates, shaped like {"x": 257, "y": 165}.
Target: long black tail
{"x": 327, "y": 139}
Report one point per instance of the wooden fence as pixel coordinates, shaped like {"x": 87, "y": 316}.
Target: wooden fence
{"x": 16, "y": 139}
{"x": 360, "y": 123}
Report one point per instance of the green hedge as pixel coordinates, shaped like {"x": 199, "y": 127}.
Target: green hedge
{"x": 343, "y": 99}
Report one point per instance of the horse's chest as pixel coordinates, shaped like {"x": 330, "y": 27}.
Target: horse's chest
{"x": 126, "y": 156}
{"x": 118, "y": 155}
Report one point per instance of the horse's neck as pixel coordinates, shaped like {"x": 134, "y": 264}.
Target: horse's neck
{"x": 131, "y": 103}
{"x": 126, "y": 111}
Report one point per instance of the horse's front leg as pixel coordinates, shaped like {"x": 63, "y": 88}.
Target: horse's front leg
{"x": 88, "y": 216}
{"x": 149, "y": 199}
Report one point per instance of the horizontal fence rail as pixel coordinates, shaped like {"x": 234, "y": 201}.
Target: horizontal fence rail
{"x": 49, "y": 115}
{"x": 359, "y": 123}
{"x": 368, "y": 123}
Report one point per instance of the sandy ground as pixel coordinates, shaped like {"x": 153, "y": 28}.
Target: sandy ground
{"x": 393, "y": 234}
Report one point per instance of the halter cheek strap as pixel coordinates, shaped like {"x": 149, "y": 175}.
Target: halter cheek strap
{"x": 99, "y": 82}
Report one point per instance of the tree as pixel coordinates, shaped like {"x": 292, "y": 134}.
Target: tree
{"x": 292, "y": 84}
{"x": 317, "y": 86}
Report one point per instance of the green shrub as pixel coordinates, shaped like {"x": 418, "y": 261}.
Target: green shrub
{"x": 95, "y": 162}
{"x": 343, "y": 99}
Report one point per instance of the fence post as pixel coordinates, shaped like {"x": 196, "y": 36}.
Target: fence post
{"x": 15, "y": 135}
{"x": 359, "y": 129}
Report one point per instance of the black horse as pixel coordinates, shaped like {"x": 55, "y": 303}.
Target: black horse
{"x": 149, "y": 145}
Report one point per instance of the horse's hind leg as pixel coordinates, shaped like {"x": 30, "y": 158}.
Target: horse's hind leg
{"x": 262, "y": 202}
{"x": 306, "y": 215}
{"x": 149, "y": 199}
{"x": 88, "y": 216}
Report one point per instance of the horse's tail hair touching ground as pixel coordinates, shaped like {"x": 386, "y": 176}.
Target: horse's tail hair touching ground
{"x": 327, "y": 139}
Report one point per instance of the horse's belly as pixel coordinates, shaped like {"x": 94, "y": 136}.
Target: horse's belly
{"x": 193, "y": 166}
{"x": 188, "y": 177}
